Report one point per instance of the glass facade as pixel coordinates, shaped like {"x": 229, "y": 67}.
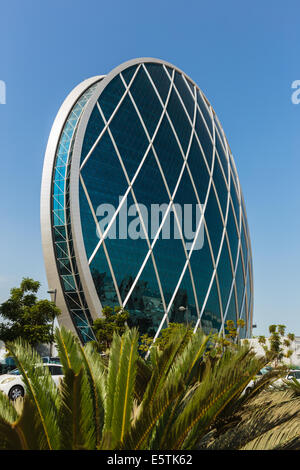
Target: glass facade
{"x": 162, "y": 215}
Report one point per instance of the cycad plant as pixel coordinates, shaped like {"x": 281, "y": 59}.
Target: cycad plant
{"x": 270, "y": 421}
{"x": 170, "y": 401}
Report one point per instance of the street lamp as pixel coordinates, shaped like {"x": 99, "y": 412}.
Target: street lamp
{"x": 184, "y": 309}
{"x": 52, "y": 292}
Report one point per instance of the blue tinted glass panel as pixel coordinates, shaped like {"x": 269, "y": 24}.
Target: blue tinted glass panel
{"x": 243, "y": 316}
{"x": 205, "y": 140}
{"x": 205, "y": 112}
{"x": 111, "y": 96}
{"x": 214, "y": 222}
{"x": 145, "y": 303}
{"x": 190, "y": 84}
{"x": 160, "y": 78}
{"x": 103, "y": 175}
{"x": 225, "y": 274}
{"x": 202, "y": 268}
{"x": 233, "y": 171}
{"x": 188, "y": 210}
{"x": 235, "y": 201}
{"x": 221, "y": 187}
{"x": 184, "y": 298}
{"x": 248, "y": 286}
{"x": 93, "y": 130}
{"x": 169, "y": 154}
{"x": 240, "y": 284}
{"x": 59, "y": 233}
{"x": 179, "y": 120}
{"x": 128, "y": 73}
{"x": 129, "y": 136}
{"x": 169, "y": 256}
{"x": 89, "y": 232}
{"x": 149, "y": 187}
{"x": 231, "y": 311}
{"x": 222, "y": 155}
{"x": 199, "y": 170}
{"x": 147, "y": 101}
{"x": 185, "y": 94}
{"x": 103, "y": 279}
{"x": 211, "y": 318}
{"x": 244, "y": 244}
{"x": 232, "y": 235}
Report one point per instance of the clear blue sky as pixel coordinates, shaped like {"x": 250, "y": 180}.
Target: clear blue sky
{"x": 243, "y": 55}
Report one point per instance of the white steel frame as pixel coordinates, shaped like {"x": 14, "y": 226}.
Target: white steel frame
{"x": 77, "y": 179}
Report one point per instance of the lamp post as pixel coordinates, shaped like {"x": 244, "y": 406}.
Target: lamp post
{"x": 52, "y": 292}
{"x": 184, "y": 309}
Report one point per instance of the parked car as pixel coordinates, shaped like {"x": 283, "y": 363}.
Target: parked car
{"x": 50, "y": 359}
{"x": 7, "y": 364}
{"x": 252, "y": 382}
{"x": 264, "y": 370}
{"x": 12, "y": 383}
{"x": 294, "y": 373}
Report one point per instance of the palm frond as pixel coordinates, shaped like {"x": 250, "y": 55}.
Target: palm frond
{"x": 9, "y": 437}
{"x": 143, "y": 375}
{"x": 41, "y": 389}
{"x": 265, "y": 422}
{"x": 209, "y": 399}
{"x": 124, "y": 384}
{"x": 185, "y": 369}
{"x": 75, "y": 358}
{"x": 95, "y": 371}
{"x": 294, "y": 385}
{"x": 72, "y": 436}
{"x": 162, "y": 361}
{"x": 20, "y": 431}
{"x": 112, "y": 372}
{"x": 140, "y": 435}
{"x": 8, "y": 411}
{"x": 68, "y": 348}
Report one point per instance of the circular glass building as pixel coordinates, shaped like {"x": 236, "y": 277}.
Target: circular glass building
{"x": 141, "y": 205}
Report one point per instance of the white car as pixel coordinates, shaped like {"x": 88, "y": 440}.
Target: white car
{"x": 12, "y": 384}
{"x": 291, "y": 374}
{"x": 252, "y": 382}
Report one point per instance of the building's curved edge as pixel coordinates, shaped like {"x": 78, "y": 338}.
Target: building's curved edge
{"x": 90, "y": 293}
{"x": 45, "y": 202}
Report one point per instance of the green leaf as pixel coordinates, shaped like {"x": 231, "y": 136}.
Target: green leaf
{"x": 71, "y": 411}
{"x": 140, "y": 435}
{"x": 68, "y": 349}
{"x": 120, "y": 383}
{"x": 41, "y": 390}
{"x": 96, "y": 372}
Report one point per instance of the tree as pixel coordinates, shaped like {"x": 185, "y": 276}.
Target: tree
{"x": 217, "y": 342}
{"x": 27, "y": 317}
{"x": 114, "y": 321}
{"x": 276, "y": 347}
{"x": 268, "y": 421}
{"x": 166, "y": 334}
